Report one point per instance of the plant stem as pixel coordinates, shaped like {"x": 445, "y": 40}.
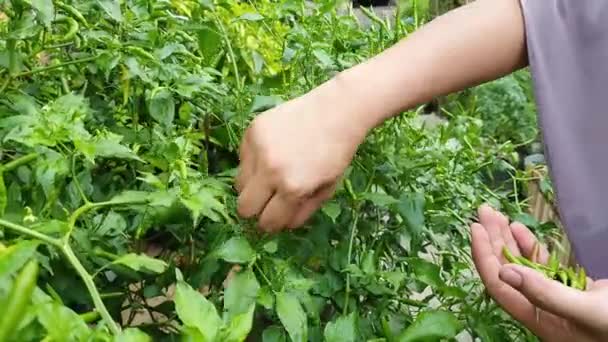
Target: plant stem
{"x": 353, "y": 229}
{"x": 75, "y": 215}
{"x": 31, "y": 233}
{"x": 413, "y": 302}
{"x": 5, "y": 84}
{"x": 90, "y": 206}
{"x": 230, "y": 52}
{"x": 76, "y": 182}
{"x": 19, "y": 161}
{"x": 88, "y": 282}
{"x": 263, "y": 276}
{"x": 111, "y": 295}
{"x": 69, "y": 254}
{"x": 57, "y": 66}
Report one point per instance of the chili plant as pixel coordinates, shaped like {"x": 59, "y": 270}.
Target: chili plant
{"x": 120, "y": 122}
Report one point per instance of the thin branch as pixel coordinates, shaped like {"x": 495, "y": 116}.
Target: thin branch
{"x": 57, "y": 66}
{"x": 90, "y": 284}
{"x": 18, "y": 162}
{"x": 31, "y": 233}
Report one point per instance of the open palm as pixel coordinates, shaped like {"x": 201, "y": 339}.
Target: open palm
{"x": 551, "y": 310}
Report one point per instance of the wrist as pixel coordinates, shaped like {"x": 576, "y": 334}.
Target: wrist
{"x": 352, "y": 104}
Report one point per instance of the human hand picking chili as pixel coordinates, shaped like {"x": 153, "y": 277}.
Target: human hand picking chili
{"x": 550, "y": 309}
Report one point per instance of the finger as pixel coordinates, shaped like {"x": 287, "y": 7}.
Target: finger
{"x": 246, "y": 164}
{"x": 507, "y": 235}
{"x": 310, "y": 206}
{"x": 528, "y": 244}
{"x": 254, "y": 197}
{"x": 488, "y": 267}
{"x": 598, "y": 284}
{"x": 245, "y": 171}
{"x": 491, "y": 222}
{"x": 278, "y": 213}
{"x": 547, "y": 294}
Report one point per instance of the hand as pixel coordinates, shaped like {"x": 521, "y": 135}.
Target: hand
{"x": 551, "y": 310}
{"x": 293, "y": 155}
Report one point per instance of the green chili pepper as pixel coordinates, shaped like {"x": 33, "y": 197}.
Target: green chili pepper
{"x": 137, "y": 51}
{"x": 77, "y": 42}
{"x": 510, "y": 257}
{"x": 581, "y": 279}
{"x": 73, "y": 28}
{"x": 554, "y": 270}
{"x": 526, "y": 262}
{"x": 73, "y": 12}
{"x": 16, "y": 303}
{"x": 563, "y": 277}
{"x": 185, "y": 36}
{"x": 553, "y": 262}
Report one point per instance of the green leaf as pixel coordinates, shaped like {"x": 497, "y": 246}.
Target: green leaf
{"x": 112, "y": 8}
{"x": 107, "y": 145}
{"x": 24, "y": 27}
{"x": 239, "y": 326}
{"x": 161, "y": 106}
{"x": 323, "y": 57}
{"x": 209, "y": 42}
{"x": 236, "y": 250}
{"x": 411, "y": 209}
{"x": 332, "y": 210}
{"x": 258, "y": 61}
{"x": 292, "y": 316}
{"x": 427, "y": 272}
{"x": 421, "y": 7}
{"x": 111, "y": 223}
{"x": 266, "y": 297}
{"x": 343, "y": 329}
{"x": 61, "y": 323}
{"x": 131, "y": 197}
{"x": 203, "y": 203}
{"x": 432, "y": 326}
{"x": 241, "y": 293}
{"x": 263, "y": 103}
{"x": 274, "y": 334}
{"x": 251, "y": 16}
{"x": 271, "y": 247}
{"x": 189, "y": 334}
{"x": 142, "y": 263}
{"x": 45, "y": 10}
{"x": 15, "y": 256}
{"x": 380, "y": 199}
{"x": 133, "y": 335}
{"x": 195, "y": 311}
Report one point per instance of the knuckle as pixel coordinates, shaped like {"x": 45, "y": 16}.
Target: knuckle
{"x": 274, "y": 166}
{"x": 293, "y": 187}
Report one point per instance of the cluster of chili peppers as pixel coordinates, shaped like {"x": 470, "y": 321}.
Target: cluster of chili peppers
{"x": 553, "y": 269}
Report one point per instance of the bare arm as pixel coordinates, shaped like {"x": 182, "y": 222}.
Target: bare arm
{"x": 473, "y": 44}
{"x": 293, "y": 155}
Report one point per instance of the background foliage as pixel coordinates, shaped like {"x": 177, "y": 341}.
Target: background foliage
{"x": 120, "y": 122}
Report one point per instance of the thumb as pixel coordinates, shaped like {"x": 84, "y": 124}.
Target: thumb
{"x": 547, "y": 294}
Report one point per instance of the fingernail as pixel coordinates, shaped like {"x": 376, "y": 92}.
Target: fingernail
{"x": 510, "y": 276}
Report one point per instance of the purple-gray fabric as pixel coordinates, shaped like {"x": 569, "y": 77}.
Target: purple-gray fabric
{"x": 567, "y": 44}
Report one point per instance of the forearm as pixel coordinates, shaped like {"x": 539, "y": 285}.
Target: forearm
{"x": 468, "y": 46}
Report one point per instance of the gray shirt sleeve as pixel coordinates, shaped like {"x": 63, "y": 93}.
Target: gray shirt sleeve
{"x": 567, "y": 43}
